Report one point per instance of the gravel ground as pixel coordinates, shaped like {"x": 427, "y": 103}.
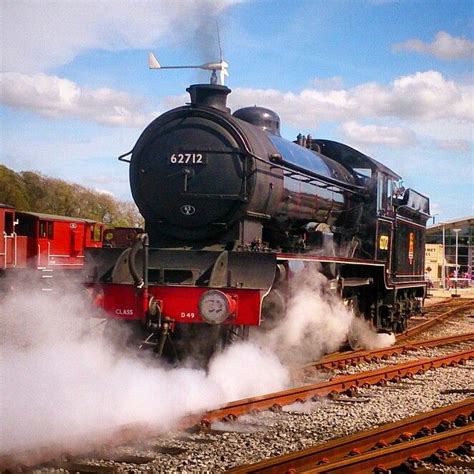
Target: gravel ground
{"x": 256, "y": 437}
{"x": 461, "y": 324}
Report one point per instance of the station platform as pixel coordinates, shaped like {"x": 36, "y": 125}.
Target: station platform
{"x": 441, "y": 293}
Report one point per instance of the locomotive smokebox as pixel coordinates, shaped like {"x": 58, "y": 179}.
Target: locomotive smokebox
{"x": 209, "y": 95}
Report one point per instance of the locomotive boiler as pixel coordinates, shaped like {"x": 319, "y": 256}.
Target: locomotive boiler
{"x": 232, "y": 210}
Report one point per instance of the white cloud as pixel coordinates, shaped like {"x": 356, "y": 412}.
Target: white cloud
{"x": 37, "y": 36}
{"x": 444, "y": 46}
{"x": 423, "y": 97}
{"x": 54, "y": 97}
{"x": 104, "y": 191}
{"x": 394, "y": 137}
{"x": 420, "y": 96}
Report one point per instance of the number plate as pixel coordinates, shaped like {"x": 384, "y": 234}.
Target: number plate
{"x": 192, "y": 158}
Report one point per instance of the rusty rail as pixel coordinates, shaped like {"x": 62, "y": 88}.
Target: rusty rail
{"x": 433, "y": 321}
{"x": 343, "y": 359}
{"x": 395, "y": 455}
{"x": 335, "y": 450}
{"x": 343, "y": 384}
{"x": 76, "y": 445}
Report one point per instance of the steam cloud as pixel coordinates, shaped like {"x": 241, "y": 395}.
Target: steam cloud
{"x": 58, "y": 376}
{"x": 316, "y": 321}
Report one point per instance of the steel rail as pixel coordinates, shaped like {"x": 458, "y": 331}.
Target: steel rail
{"x": 77, "y": 445}
{"x": 342, "y": 384}
{"x": 343, "y": 359}
{"x": 336, "y": 449}
{"x": 433, "y": 321}
{"x": 395, "y": 455}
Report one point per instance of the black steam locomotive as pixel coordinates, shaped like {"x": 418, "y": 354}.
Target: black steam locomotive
{"x": 233, "y": 210}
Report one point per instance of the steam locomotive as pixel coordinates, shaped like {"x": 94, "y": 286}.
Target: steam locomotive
{"x": 233, "y": 212}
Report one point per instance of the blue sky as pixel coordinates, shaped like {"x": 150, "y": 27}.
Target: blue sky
{"x": 393, "y": 79}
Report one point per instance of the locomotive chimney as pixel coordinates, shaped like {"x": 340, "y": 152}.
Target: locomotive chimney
{"x": 209, "y": 95}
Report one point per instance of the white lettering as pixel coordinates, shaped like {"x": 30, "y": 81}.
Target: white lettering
{"x": 124, "y": 312}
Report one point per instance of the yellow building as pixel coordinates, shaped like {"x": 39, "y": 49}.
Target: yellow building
{"x": 434, "y": 262}
{"x": 458, "y": 239}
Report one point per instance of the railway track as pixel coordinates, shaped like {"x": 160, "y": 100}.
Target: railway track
{"x": 341, "y": 360}
{"x": 384, "y": 447}
{"x": 436, "y": 314}
{"x": 343, "y": 384}
{"x": 348, "y": 384}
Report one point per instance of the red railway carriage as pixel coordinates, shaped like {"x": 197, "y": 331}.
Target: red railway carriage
{"x": 43, "y": 241}
{"x": 12, "y": 245}
{"x": 57, "y": 242}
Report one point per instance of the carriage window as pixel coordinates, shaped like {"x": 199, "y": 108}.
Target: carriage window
{"x": 46, "y": 230}
{"x": 42, "y": 229}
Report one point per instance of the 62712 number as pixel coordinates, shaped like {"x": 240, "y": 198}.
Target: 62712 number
{"x": 187, "y": 158}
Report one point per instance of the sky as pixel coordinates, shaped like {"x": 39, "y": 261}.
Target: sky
{"x": 391, "y": 78}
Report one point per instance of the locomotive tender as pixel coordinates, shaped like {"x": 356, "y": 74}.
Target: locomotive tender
{"x": 232, "y": 211}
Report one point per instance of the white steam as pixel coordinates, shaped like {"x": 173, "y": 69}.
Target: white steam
{"x": 367, "y": 338}
{"x": 59, "y": 380}
{"x": 316, "y": 321}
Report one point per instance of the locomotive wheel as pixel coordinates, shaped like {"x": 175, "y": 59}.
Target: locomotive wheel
{"x": 353, "y": 336}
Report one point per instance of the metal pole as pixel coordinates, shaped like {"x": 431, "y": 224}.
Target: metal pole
{"x": 443, "y": 268}
{"x": 456, "y": 231}
{"x": 457, "y": 265}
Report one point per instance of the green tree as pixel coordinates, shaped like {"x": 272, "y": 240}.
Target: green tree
{"x": 32, "y": 191}
{"x": 13, "y": 190}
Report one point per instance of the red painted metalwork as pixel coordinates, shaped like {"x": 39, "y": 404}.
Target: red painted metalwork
{"x": 57, "y": 242}
{"x": 178, "y": 303}
{"x": 35, "y": 240}
{"x": 12, "y": 246}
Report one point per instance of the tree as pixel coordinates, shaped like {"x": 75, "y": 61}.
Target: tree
{"x": 13, "y": 190}
{"x": 32, "y": 191}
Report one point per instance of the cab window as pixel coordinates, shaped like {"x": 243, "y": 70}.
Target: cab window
{"x": 385, "y": 187}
